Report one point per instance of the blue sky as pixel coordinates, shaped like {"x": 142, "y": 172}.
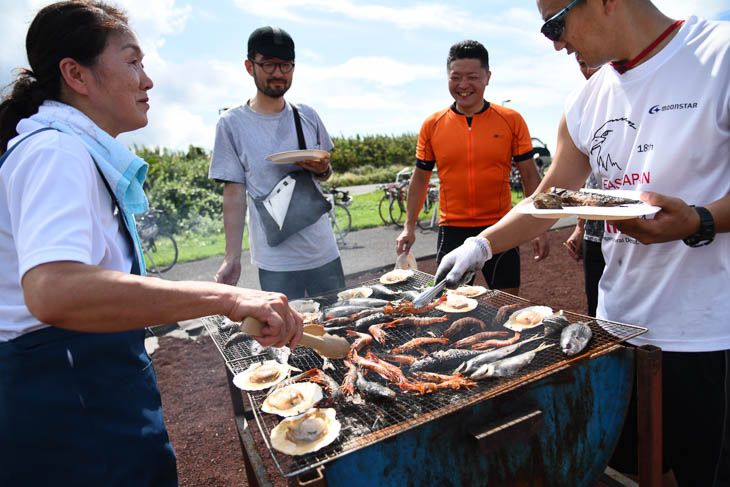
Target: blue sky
{"x": 367, "y": 66}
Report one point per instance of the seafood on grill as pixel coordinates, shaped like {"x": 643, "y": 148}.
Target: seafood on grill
{"x": 343, "y": 311}
{"x": 419, "y": 320}
{"x": 442, "y": 382}
{"x": 575, "y": 337}
{"x": 400, "y": 359}
{"x": 527, "y": 318}
{"x": 508, "y": 366}
{"x": 484, "y": 358}
{"x": 348, "y": 383}
{"x": 480, "y": 338}
{"x": 261, "y": 375}
{"x": 380, "y": 291}
{"x": 373, "y": 390}
{"x": 496, "y": 343}
{"x": 406, "y": 307}
{"x": 555, "y": 323}
{"x": 292, "y": 399}
{"x": 306, "y": 433}
{"x": 463, "y": 326}
{"x": 361, "y": 319}
{"x": 356, "y": 292}
{"x": 457, "y": 303}
{"x": 503, "y": 311}
{"x": 419, "y": 344}
{"x": 385, "y": 370}
{"x": 443, "y": 360}
{"x": 366, "y": 302}
{"x": 396, "y": 275}
{"x": 468, "y": 291}
{"x": 363, "y": 340}
{"x": 331, "y": 387}
{"x": 557, "y": 198}
{"x": 376, "y": 331}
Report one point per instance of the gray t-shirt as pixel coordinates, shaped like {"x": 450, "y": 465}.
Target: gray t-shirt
{"x": 243, "y": 139}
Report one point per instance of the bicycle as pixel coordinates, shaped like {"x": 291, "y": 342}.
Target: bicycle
{"x": 542, "y": 159}
{"x": 158, "y": 246}
{"x": 397, "y": 207}
{"x": 339, "y": 215}
{"x": 428, "y": 217}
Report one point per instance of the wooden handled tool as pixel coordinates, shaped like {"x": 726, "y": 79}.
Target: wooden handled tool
{"x": 327, "y": 345}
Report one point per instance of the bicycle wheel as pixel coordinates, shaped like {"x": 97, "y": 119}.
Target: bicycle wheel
{"x": 428, "y": 218}
{"x": 342, "y": 222}
{"x": 397, "y": 212}
{"x": 384, "y": 208}
{"x": 160, "y": 253}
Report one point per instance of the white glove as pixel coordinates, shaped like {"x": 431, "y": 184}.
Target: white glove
{"x": 462, "y": 263}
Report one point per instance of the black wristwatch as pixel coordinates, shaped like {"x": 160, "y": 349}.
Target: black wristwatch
{"x": 321, "y": 175}
{"x": 706, "y": 234}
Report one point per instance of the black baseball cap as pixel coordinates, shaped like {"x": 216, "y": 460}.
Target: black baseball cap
{"x": 272, "y": 42}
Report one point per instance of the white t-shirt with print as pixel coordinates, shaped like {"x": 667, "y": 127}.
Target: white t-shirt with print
{"x": 664, "y": 126}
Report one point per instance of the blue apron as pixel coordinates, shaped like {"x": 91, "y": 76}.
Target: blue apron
{"x": 81, "y": 409}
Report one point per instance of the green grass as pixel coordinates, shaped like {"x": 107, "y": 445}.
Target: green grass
{"x": 191, "y": 247}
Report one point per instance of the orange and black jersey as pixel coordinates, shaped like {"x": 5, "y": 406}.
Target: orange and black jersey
{"x": 473, "y": 156}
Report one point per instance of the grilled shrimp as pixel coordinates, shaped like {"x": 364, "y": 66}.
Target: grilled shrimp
{"x": 479, "y": 337}
{"x": 502, "y": 312}
{"x": 406, "y": 307}
{"x": 418, "y": 344}
{"x": 454, "y": 382}
{"x": 419, "y": 321}
{"x": 400, "y": 359}
{"x": 348, "y": 384}
{"x": 496, "y": 343}
{"x": 379, "y": 367}
{"x": 377, "y": 331}
{"x": 463, "y": 324}
{"x": 363, "y": 340}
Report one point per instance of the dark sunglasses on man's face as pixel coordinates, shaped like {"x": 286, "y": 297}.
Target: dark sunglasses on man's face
{"x": 268, "y": 67}
{"x": 554, "y": 26}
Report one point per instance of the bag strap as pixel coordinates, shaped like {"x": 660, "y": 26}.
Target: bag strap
{"x": 7, "y": 152}
{"x": 135, "y": 263}
{"x": 298, "y": 123}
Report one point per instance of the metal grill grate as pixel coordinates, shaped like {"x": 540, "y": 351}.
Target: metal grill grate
{"x": 363, "y": 425}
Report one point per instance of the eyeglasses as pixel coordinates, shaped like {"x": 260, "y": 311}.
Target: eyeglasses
{"x": 269, "y": 67}
{"x": 554, "y": 26}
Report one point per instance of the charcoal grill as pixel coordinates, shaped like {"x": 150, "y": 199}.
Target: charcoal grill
{"x": 570, "y": 409}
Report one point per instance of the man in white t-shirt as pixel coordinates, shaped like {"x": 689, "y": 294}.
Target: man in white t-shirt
{"x": 656, "y": 119}
{"x": 308, "y": 261}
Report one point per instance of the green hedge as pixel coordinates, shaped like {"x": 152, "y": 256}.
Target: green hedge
{"x": 177, "y": 181}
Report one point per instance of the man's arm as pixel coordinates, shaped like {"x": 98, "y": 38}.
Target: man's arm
{"x": 417, "y": 190}
{"x": 530, "y": 181}
{"x": 234, "y": 216}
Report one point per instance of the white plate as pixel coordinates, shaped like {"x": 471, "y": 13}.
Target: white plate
{"x": 623, "y": 212}
{"x": 292, "y": 156}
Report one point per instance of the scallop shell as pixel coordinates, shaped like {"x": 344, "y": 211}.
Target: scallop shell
{"x": 456, "y": 303}
{"x": 306, "y": 433}
{"x": 555, "y": 323}
{"x": 527, "y": 318}
{"x": 357, "y": 292}
{"x": 261, "y": 375}
{"x": 304, "y": 306}
{"x": 468, "y": 291}
{"x": 395, "y": 276}
{"x": 292, "y": 399}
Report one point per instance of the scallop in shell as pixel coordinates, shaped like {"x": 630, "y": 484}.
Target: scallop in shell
{"x": 261, "y": 375}
{"x": 292, "y": 399}
{"x": 468, "y": 291}
{"x": 456, "y": 303}
{"x": 395, "y": 276}
{"x": 527, "y": 318}
{"x": 554, "y": 324}
{"x": 304, "y": 305}
{"x": 357, "y": 292}
{"x": 306, "y": 433}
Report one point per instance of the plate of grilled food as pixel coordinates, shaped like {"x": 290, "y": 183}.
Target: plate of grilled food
{"x": 292, "y": 156}
{"x": 589, "y": 204}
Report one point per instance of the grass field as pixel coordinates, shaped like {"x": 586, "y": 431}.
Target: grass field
{"x": 364, "y": 211}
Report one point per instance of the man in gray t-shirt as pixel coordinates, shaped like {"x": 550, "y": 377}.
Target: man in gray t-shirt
{"x": 307, "y": 262}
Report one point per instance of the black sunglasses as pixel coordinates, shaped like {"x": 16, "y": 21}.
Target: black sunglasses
{"x": 554, "y": 26}
{"x": 268, "y": 67}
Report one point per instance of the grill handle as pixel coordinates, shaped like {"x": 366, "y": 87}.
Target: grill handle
{"x": 329, "y": 346}
{"x": 516, "y": 428}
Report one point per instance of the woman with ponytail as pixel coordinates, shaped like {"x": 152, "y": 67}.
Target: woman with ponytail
{"x": 79, "y": 402}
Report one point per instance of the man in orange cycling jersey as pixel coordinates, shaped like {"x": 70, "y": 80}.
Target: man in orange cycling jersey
{"x": 472, "y": 144}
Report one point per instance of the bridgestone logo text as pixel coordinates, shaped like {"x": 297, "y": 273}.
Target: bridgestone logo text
{"x": 677, "y": 106}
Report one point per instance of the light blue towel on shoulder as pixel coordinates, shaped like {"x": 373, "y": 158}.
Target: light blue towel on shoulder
{"x": 123, "y": 170}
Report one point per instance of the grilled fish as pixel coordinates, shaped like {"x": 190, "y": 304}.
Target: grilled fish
{"x": 373, "y": 389}
{"x": 575, "y": 337}
{"x": 484, "y": 358}
{"x": 367, "y": 302}
{"x": 557, "y": 198}
{"x": 443, "y": 360}
{"x": 507, "y": 366}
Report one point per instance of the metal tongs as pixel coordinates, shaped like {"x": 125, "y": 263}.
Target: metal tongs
{"x": 427, "y": 296}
